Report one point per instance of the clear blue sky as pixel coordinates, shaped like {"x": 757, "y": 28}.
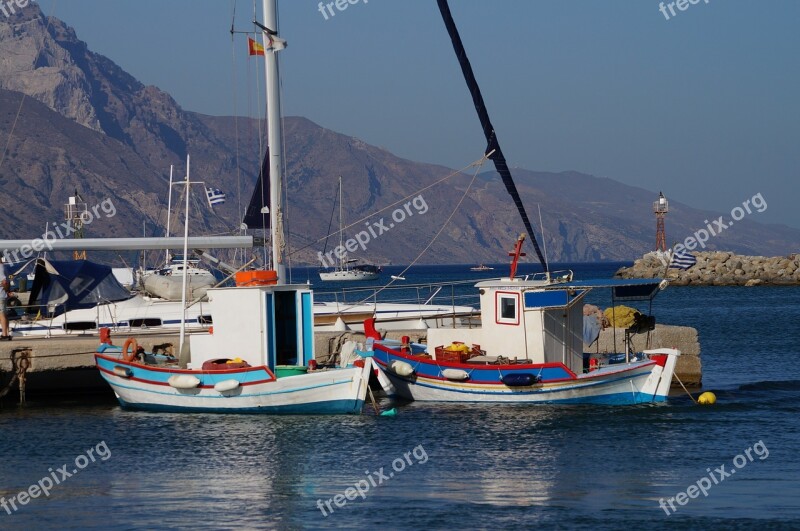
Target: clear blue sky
{"x": 704, "y": 106}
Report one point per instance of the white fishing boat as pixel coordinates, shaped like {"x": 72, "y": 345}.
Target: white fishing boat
{"x": 260, "y": 357}
{"x": 528, "y": 349}
{"x": 529, "y": 346}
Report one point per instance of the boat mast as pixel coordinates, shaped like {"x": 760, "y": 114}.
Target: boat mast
{"x": 274, "y": 138}
{"x": 169, "y": 212}
{"x": 185, "y": 276}
{"x": 343, "y": 260}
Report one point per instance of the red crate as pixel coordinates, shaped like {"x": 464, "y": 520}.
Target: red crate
{"x": 452, "y": 356}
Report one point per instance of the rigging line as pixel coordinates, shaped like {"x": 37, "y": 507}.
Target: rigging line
{"x": 438, "y": 233}
{"x": 22, "y": 101}
{"x": 488, "y": 129}
{"x": 477, "y": 163}
{"x": 330, "y": 224}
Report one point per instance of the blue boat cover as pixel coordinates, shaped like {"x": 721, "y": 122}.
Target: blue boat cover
{"x": 74, "y": 284}
{"x": 623, "y": 289}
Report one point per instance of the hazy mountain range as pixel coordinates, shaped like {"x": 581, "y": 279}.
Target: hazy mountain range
{"x": 84, "y": 123}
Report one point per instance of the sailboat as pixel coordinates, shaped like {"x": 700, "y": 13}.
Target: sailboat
{"x": 347, "y": 269}
{"x": 260, "y": 356}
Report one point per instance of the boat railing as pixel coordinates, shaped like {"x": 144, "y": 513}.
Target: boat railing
{"x": 452, "y": 294}
{"x": 564, "y": 275}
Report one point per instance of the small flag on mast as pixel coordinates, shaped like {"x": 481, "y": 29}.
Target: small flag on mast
{"x": 214, "y": 196}
{"x": 683, "y": 260}
{"x": 254, "y": 48}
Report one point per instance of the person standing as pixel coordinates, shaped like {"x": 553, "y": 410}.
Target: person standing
{"x": 5, "y": 287}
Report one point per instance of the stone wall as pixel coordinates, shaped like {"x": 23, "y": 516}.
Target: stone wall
{"x": 716, "y": 268}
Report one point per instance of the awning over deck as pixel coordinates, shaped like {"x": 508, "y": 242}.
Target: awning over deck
{"x": 632, "y": 289}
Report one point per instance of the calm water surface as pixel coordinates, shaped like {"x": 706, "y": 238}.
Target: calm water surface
{"x": 471, "y": 466}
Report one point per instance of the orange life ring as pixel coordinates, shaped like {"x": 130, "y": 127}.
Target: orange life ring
{"x": 132, "y": 356}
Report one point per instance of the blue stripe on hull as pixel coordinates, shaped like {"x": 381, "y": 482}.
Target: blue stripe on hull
{"x": 333, "y": 407}
{"x": 528, "y": 396}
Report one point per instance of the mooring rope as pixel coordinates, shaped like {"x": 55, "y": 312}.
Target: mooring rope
{"x": 20, "y": 368}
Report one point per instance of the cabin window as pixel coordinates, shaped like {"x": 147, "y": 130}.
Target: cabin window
{"x": 507, "y": 307}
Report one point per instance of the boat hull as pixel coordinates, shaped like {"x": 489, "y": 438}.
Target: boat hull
{"x": 142, "y": 387}
{"x": 646, "y": 381}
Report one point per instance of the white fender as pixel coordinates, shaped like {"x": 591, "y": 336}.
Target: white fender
{"x": 122, "y": 372}
{"x": 401, "y": 368}
{"x": 226, "y": 385}
{"x": 183, "y": 381}
{"x": 455, "y": 374}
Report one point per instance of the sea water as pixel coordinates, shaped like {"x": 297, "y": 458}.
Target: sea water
{"x": 438, "y": 466}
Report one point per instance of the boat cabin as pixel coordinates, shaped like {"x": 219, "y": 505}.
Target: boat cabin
{"x": 261, "y": 325}
{"x": 525, "y": 320}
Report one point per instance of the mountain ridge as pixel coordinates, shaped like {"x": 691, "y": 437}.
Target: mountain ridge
{"x": 92, "y": 126}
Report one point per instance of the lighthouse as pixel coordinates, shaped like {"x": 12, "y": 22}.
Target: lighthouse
{"x": 660, "y": 209}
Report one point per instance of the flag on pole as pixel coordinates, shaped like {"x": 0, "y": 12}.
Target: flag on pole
{"x": 683, "y": 260}
{"x": 275, "y": 42}
{"x": 215, "y": 196}
{"x": 254, "y": 48}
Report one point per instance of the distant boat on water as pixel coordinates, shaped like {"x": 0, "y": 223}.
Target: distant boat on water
{"x": 347, "y": 269}
{"x": 481, "y": 267}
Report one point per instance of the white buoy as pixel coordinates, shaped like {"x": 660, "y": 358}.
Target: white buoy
{"x": 421, "y": 324}
{"x": 183, "y": 381}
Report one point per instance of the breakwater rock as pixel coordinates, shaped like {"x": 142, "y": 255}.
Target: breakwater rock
{"x": 716, "y": 268}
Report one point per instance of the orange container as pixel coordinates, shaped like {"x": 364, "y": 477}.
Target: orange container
{"x": 257, "y": 278}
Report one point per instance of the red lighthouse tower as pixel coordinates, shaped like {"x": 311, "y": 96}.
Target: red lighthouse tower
{"x": 660, "y": 209}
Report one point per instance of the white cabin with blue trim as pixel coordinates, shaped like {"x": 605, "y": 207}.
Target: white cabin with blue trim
{"x": 525, "y": 320}
{"x": 262, "y": 325}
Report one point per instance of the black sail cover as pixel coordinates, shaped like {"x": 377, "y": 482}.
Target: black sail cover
{"x": 253, "y": 217}
{"x": 488, "y": 130}
{"x": 68, "y": 285}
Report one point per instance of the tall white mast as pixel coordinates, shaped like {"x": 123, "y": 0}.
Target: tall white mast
{"x": 185, "y": 274}
{"x": 274, "y": 139}
{"x": 342, "y": 261}
{"x": 169, "y": 211}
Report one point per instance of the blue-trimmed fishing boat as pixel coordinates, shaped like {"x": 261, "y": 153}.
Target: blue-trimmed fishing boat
{"x": 528, "y": 349}
{"x": 260, "y": 356}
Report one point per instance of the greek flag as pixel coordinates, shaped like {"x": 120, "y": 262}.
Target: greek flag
{"x": 215, "y": 196}
{"x": 683, "y": 260}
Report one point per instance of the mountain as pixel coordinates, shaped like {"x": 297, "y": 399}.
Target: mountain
{"x": 81, "y": 122}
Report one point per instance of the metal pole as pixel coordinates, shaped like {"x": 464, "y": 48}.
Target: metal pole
{"x": 169, "y": 212}
{"x": 275, "y": 139}
{"x": 185, "y": 256}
